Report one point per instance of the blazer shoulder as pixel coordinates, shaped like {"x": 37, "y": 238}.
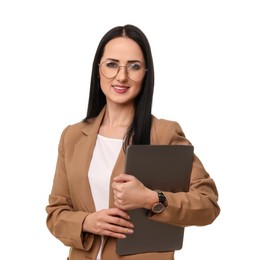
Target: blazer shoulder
{"x": 74, "y": 128}
{"x": 166, "y": 125}
{"x": 167, "y": 131}
{"x": 73, "y": 132}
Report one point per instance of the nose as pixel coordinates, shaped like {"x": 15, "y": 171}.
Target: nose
{"x": 122, "y": 74}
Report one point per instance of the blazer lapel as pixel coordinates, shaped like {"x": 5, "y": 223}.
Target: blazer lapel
{"x": 83, "y": 154}
{"x": 118, "y": 169}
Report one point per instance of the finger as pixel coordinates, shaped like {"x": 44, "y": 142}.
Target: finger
{"x": 117, "y": 232}
{"x": 123, "y": 177}
{"x": 118, "y": 212}
{"x": 121, "y": 223}
{"x": 111, "y": 229}
{"x": 120, "y": 205}
{"x": 120, "y": 230}
{"x": 115, "y": 227}
{"x": 116, "y": 186}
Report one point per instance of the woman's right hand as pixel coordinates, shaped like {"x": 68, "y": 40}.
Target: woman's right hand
{"x": 108, "y": 222}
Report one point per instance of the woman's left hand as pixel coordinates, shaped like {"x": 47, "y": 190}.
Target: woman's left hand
{"x": 130, "y": 193}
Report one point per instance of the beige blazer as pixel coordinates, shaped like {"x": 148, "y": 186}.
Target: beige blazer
{"x": 71, "y": 200}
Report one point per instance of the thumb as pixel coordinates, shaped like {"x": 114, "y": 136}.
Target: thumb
{"x": 123, "y": 177}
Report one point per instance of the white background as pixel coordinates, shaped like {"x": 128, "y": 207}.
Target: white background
{"x": 206, "y": 60}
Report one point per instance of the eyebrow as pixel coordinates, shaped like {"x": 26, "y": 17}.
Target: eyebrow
{"x": 129, "y": 61}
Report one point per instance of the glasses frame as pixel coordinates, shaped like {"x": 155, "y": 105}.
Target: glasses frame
{"x": 118, "y": 70}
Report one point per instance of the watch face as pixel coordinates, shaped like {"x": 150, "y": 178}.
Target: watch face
{"x": 158, "y": 208}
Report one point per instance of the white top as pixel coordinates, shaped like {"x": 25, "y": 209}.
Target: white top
{"x": 102, "y": 163}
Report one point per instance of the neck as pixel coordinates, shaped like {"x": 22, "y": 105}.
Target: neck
{"x": 118, "y": 116}
{"x": 116, "y": 121}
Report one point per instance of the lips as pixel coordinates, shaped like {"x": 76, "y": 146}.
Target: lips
{"x": 120, "y": 89}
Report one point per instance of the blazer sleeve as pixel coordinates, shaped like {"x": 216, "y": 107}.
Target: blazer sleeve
{"x": 199, "y": 206}
{"x": 62, "y": 220}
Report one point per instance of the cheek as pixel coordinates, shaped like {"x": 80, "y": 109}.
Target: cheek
{"x": 104, "y": 83}
{"x": 138, "y": 88}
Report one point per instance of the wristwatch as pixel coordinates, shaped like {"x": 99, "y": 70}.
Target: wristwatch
{"x": 161, "y": 205}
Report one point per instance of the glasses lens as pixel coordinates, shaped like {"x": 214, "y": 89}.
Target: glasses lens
{"x": 135, "y": 71}
{"x": 109, "y": 69}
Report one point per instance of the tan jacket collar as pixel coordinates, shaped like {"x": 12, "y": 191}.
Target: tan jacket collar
{"x": 93, "y": 128}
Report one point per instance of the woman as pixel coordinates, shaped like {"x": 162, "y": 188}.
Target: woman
{"x": 90, "y": 193}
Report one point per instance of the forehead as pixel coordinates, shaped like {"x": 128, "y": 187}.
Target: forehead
{"x": 122, "y": 48}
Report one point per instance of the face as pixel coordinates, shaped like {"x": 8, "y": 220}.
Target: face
{"x": 122, "y": 69}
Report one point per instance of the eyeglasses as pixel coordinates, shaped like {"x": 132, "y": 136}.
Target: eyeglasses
{"x": 135, "y": 70}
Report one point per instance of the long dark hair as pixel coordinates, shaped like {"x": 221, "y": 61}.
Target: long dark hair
{"x": 139, "y": 130}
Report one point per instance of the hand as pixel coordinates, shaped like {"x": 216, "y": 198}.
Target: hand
{"x": 130, "y": 193}
{"x": 108, "y": 222}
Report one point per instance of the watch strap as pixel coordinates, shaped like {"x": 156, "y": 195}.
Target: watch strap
{"x": 162, "y": 198}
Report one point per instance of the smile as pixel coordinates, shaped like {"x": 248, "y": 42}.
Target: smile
{"x": 120, "y": 89}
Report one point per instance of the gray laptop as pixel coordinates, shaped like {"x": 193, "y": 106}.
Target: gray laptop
{"x": 162, "y": 167}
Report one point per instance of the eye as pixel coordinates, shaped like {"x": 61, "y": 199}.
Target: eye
{"x": 111, "y": 64}
{"x": 134, "y": 66}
